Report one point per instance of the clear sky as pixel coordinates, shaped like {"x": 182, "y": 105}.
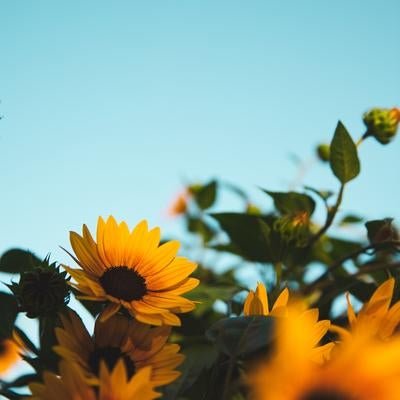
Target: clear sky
{"x": 108, "y": 105}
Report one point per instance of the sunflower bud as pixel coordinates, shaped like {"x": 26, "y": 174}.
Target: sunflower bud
{"x": 42, "y": 291}
{"x": 323, "y": 152}
{"x": 380, "y": 231}
{"x": 382, "y": 124}
{"x": 294, "y": 227}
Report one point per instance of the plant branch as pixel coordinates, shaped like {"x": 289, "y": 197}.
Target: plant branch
{"x": 374, "y": 246}
{"x": 329, "y": 218}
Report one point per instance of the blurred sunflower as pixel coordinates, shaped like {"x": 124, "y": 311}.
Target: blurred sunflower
{"x": 114, "y": 385}
{"x": 132, "y": 270}
{"x": 119, "y": 338}
{"x": 257, "y": 304}
{"x": 376, "y": 317}
{"x": 361, "y": 368}
{"x": 9, "y": 354}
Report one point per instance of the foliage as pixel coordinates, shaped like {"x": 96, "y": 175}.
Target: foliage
{"x": 285, "y": 245}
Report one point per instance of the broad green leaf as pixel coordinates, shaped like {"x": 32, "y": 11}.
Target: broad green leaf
{"x": 206, "y": 195}
{"x": 247, "y": 233}
{"x": 344, "y": 158}
{"x": 292, "y": 202}
{"x": 241, "y": 336}
{"x": 9, "y": 311}
{"x": 15, "y": 261}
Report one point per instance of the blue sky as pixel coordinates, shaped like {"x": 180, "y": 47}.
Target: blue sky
{"x": 107, "y": 106}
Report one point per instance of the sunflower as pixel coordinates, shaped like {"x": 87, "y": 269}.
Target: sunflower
{"x": 257, "y": 304}
{"x": 9, "y": 354}
{"x": 376, "y": 317}
{"x": 132, "y": 270}
{"x": 361, "y": 368}
{"x": 138, "y": 345}
{"x": 115, "y": 385}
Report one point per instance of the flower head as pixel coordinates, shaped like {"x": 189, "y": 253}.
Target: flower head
{"x": 114, "y": 385}
{"x": 376, "y": 317}
{"x": 359, "y": 368}
{"x": 131, "y": 269}
{"x": 119, "y": 338}
{"x": 257, "y": 304}
{"x": 382, "y": 123}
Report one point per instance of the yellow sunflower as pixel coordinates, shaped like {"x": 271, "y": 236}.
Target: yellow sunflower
{"x": 131, "y": 269}
{"x": 360, "y": 368}
{"x": 9, "y": 354}
{"x": 257, "y": 304}
{"x": 114, "y": 385}
{"x": 376, "y": 317}
{"x": 138, "y": 345}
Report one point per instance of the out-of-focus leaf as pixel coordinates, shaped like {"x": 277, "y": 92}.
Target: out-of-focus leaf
{"x": 206, "y": 195}
{"x": 344, "y": 158}
{"x": 350, "y": 219}
{"x": 22, "y": 381}
{"x": 247, "y": 233}
{"x": 208, "y": 294}
{"x": 292, "y": 202}
{"x": 27, "y": 342}
{"x": 9, "y": 311}
{"x": 197, "y": 225}
{"x": 15, "y": 261}
{"x": 200, "y": 356}
{"x": 241, "y": 336}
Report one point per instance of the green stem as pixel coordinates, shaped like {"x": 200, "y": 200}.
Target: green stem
{"x": 330, "y": 217}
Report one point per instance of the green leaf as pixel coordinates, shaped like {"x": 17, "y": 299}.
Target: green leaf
{"x": 9, "y": 312}
{"x": 15, "y": 261}
{"x": 247, "y": 233}
{"x": 241, "y": 336}
{"x": 198, "y": 357}
{"x": 208, "y": 294}
{"x": 350, "y": 219}
{"x": 344, "y": 158}
{"x": 206, "y": 195}
{"x": 197, "y": 225}
{"x": 27, "y": 342}
{"x": 292, "y": 202}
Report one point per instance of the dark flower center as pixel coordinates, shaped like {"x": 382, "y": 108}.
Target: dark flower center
{"x": 110, "y": 355}
{"x": 123, "y": 283}
{"x": 326, "y": 394}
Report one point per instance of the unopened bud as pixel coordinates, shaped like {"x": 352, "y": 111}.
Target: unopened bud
{"x": 324, "y": 152}
{"x": 42, "y": 291}
{"x": 382, "y": 124}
